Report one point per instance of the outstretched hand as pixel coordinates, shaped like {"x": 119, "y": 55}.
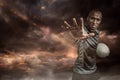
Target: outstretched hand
{"x": 78, "y": 30}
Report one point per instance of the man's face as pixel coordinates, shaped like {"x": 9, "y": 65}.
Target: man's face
{"x": 94, "y": 20}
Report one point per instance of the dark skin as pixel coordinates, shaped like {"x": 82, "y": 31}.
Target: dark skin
{"x": 93, "y": 21}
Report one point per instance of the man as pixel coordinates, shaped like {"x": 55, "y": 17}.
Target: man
{"x": 86, "y": 37}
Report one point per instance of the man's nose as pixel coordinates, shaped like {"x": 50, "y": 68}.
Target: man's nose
{"x": 95, "y": 21}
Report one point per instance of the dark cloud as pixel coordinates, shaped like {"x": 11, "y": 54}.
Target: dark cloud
{"x": 52, "y": 13}
{"x": 17, "y": 17}
{"x": 21, "y": 22}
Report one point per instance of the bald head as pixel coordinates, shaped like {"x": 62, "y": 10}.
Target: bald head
{"x": 95, "y": 12}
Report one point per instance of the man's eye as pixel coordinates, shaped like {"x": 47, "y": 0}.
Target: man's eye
{"x": 98, "y": 19}
{"x": 92, "y": 18}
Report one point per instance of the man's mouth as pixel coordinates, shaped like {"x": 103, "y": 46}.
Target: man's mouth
{"x": 92, "y": 29}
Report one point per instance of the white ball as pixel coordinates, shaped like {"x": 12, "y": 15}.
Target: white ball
{"x": 102, "y": 50}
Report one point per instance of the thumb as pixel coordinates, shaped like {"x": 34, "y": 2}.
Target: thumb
{"x": 91, "y": 34}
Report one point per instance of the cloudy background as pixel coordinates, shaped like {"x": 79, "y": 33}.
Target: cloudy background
{"x": 33, "y": 43}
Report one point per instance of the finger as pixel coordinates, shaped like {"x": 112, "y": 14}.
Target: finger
{"x": 85, "y": 36}
{"x": 67, "y": 25}
{"x": 91, "y": 34}
{"x": 75, "y": 22}
{"x": 82, "y": 22}
{"x": 82, "y": 25}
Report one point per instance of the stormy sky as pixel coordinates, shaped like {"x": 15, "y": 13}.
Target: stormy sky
{"x": 19, "y": 18}
{"x": 32, "y": 29}
{"x": 22, "y": 21}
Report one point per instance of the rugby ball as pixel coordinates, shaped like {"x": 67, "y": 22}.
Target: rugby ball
{"x": 102, "y": 50}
